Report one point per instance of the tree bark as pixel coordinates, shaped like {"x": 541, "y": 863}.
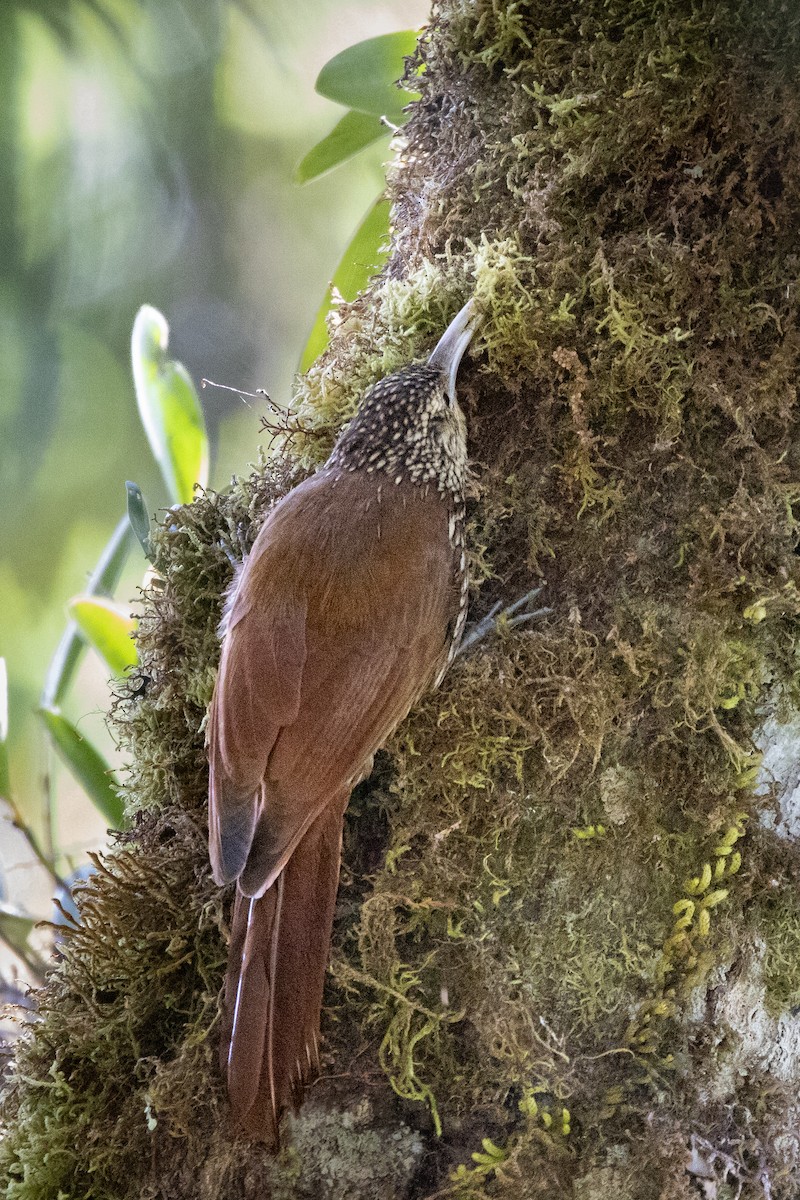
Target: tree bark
{"x": 567, "y": 951}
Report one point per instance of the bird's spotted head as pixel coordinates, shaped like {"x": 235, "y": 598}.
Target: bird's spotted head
{"x": 409, "y": 426}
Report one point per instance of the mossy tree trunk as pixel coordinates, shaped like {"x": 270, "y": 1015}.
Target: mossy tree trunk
{"x": 569, "y": 919}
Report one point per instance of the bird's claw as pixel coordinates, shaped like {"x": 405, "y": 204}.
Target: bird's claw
{"x": 511, "y": 616}
{"x": 237, "y": 547}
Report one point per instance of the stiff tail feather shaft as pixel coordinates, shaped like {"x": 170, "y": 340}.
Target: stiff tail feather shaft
{"x": 277, "y": 958}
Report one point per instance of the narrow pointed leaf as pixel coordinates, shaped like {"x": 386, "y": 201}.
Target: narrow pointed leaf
{"x": 354, "y": 132}
{"x": 169, "y": 408}
{"x": 102, "y": 581}
{"x": 109, "y": 628}
{"x": 364, "y": 76}
{"x": 139, "y": 517}
{"x": 86, "y": 764}
{"x": 363, "y": 257}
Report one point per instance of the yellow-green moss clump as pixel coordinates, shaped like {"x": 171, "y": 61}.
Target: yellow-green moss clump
{"x": 565, "y": 960}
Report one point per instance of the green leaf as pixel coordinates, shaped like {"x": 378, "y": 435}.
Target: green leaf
{"x": 139, "y": 517}
{"x": 5, "y": 786}
{"x": 109, "y": 628}
{"x": 364, "y": 76}
{"x": 362, "y": 258}
{"x": 169, "y": 408}
{"x": 355, "y": 131}
{"x": 16, "y": 927}
{"x": 86, "y": 764}
{"x": 103, "y": 579}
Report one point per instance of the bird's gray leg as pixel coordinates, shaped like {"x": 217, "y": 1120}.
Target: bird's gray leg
{"x": 498, "y": 616}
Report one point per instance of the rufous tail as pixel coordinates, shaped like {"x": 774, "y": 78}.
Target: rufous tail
{"x": 269, "y": 1049}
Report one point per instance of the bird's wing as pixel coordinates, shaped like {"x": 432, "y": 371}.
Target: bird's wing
{"x": 316, "y": 675}
{"x": 352, "y": 698}
{"x": 257, "y": 692}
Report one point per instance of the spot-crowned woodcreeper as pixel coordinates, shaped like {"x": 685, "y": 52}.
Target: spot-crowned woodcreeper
{"x": 350, "y": 605}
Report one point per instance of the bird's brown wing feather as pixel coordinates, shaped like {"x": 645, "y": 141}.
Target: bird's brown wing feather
{"x": 257, "y": 692}
{"x": 373, "y": 692}
{"x": 329, "y": 643}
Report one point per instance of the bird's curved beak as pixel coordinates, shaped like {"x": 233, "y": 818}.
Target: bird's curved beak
{"x": 450, "y": 348}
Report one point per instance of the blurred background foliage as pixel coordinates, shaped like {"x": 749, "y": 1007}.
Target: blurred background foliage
{"x": 148, "y": 155}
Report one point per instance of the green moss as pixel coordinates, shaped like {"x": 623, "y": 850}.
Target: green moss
{"x": 137, "y": 986}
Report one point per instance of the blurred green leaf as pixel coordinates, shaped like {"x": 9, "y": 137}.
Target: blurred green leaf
{"x": 169, "y": 407}
{"x": 15, "y": 927}
{"x": 364, "y": 76}
{"x": 86, "y": 764}
{"x": 5, "y": 786}
{"x": 103, "y": 580}
{"x": 139, "y": 517}
{"x": 109, "y": 628}
{"x": 362, "y": 258}
{"x": 355, "y": 131}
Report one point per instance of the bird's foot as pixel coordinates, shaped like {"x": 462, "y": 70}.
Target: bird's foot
{"x": 237, "y": 547}
{"x": 518, "y": 613}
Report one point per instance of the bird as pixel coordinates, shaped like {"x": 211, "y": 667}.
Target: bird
{"x": 350, "y": 605}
